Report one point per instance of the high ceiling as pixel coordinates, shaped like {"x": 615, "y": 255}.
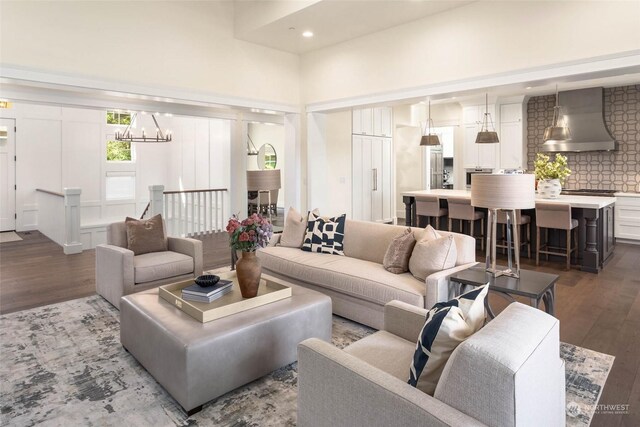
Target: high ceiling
{"x": 280, "y": 23}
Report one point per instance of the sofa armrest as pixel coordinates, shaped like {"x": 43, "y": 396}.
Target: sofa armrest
{"x": 338, "y": 389}
{"x": 438, "y": 289}
{"x": 114, "y": 272}
{"x": 190, "y": 247}
{"x": 404, "y": 320}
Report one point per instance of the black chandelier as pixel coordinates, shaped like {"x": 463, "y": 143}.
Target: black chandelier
{"x": 129, "y": 137}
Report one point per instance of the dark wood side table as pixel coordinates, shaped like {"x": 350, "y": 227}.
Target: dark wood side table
{"x": 534, "y": 285}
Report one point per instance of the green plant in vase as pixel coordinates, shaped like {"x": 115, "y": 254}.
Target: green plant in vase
{"x": 550, "y": 174}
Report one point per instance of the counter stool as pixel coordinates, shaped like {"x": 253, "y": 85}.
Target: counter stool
{"x": 461, "y": 209}
{"x": 429, "y": 206}
{"x": 522, "y": 221}
{"x": 555, "y": 216}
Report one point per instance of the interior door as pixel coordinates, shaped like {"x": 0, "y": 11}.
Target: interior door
{"x": 357, "y": 183}
{"x": 377, "y": 168}
{"x": 387, "y": 195}
{"x": 7, "y": 175}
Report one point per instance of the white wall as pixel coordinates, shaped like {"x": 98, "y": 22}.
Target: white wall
{"x": 59, "y": 147}
{"x": 479, "y": 39}
{"x": 273, "y": 134}
{"x": 338, "y": 179}
{"x": 173, "y": 44}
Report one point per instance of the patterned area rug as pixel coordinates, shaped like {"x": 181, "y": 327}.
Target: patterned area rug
{"x": 63, "y": 365}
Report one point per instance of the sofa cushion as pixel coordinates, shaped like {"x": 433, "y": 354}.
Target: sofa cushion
{"x": 160, "y": 265}
{"x": 144, "y": 236}
{"x": 295, "y": 226}
{"x": 430, "y": 256}
{"x": 396, "y": 260}
{"x": 324, "y": 235}
{"x": 351, "y": 276}
{"x": 385, "y": 351}
{"x": 447, "y": 325}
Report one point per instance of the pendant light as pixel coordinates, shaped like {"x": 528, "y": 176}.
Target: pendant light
{"x": 557, "y": 131}
{"x": 485, "y": 136}
{"x": 429, "y": 139}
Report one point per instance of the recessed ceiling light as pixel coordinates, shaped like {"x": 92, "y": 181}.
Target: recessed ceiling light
{"x": 453, "y": 97}
{"x": 528, "y": 87}
{"x": 307, "y": 34}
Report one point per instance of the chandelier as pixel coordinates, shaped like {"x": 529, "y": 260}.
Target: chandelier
{"x": 429, "y": 139}
{"x": 127, "y": 136}
{"x": 486, "y": 136}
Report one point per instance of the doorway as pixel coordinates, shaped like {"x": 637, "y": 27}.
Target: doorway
{"x": 7, "y": 175}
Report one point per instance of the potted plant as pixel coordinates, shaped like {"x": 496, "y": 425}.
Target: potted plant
{"x": 247, "y": 236}
{"x": 550, "y": 174}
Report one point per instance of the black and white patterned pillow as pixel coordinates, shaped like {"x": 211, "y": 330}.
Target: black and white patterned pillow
{"x": 324, "y": 235}
{"x": 446, "y": 326}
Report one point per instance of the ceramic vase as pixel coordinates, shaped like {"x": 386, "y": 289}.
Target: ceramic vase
{"x": 248, "y": 271}
{"x": 549, "y": 188}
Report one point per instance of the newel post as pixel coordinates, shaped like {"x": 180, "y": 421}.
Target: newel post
{"x": 156, "y": 196}
{"x": 72, "y": 244}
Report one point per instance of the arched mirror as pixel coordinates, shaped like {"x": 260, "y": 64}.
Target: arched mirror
{"x": 267, "y": 158}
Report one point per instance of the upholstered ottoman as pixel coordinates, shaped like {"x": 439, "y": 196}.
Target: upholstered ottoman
{"x": 197, "y": 362}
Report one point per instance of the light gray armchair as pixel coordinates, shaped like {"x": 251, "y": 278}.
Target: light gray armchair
{"x": 119, "y": 272}
{"x": 507, "y": 374}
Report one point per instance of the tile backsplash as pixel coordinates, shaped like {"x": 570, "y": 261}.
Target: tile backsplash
{"x": 612, "y": 170}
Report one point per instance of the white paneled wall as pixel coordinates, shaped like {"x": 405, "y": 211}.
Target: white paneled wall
{"x": 59, "y": 147}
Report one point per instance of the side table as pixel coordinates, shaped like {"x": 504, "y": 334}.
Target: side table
{"x": 534, "y": 285}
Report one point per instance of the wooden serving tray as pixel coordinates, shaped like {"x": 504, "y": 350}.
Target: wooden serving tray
{"x": 269, "y": 291}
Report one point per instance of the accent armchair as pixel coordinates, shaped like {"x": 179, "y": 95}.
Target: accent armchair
{"x": 119, "y": 272}
{"x": 507, "y": 374}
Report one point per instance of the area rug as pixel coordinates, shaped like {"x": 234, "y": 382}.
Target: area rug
{"x": 9, "y": 236}
{"x": 63, "y": 364}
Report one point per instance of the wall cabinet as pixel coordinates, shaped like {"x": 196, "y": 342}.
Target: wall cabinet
{"x": 627, "y": 218}
{"x": 372, "y": 182}
{"x": 373, "y": 121}
{"x": 477, "y": 155}
{"x": 511, "y": 136}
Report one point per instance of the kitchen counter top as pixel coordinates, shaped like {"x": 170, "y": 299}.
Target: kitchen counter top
{"x": 586, "y": 202}
{"x": 637, "y": 195}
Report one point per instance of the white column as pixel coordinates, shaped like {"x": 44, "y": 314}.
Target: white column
{"x": 316, "y": 161}
{"x": 72, "y": 244}
{"x": 156, "y": 197}
{"x": 238, "y": 170}
{"x": 292, "y": 162}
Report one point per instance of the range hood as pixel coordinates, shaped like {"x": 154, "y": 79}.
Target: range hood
{"x": 583, "y": 114}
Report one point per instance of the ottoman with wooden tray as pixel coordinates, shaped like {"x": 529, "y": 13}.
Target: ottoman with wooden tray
{"x": 200, "y": 351}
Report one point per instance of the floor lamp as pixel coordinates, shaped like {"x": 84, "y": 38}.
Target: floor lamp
{"x": 507, "y": 192}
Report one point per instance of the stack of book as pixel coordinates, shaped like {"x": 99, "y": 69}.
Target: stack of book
{"x": 207, "y": 294}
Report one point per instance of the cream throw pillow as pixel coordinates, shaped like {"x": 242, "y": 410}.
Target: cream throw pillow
{"x": 396, "y": 259}
{"x": 295, "y": 227}
{"x": 429, "y": 233}
{"x": 430, "y": 256}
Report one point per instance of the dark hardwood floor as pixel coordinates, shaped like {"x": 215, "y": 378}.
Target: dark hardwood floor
{"x": 597, "y": 311}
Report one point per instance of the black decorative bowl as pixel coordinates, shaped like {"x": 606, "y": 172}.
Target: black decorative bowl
{"x": 207, "y": 280}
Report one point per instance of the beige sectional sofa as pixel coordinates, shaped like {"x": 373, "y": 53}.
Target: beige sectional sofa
{"x": 357, "y": 283}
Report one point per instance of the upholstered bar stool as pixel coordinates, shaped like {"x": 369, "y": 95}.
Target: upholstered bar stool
{"x": 461, "y": 209}
{"x": 522, "y": 221}
{"x": 558, "y": 217}
{"x": 429, "y": 206}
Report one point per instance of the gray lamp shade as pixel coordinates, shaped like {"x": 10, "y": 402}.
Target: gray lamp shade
{"x": 263, "y": 180}
{"x": 503, "y": 191}
{"x": 487, "y": 137}
{"x": 430, "y": 140}
{"x": 557, "y": 133}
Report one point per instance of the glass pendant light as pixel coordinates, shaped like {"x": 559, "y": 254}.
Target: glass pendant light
{"x": 429, "y": 139}
{"x": 557, "y": 131}
{"x": 485, "y": 136}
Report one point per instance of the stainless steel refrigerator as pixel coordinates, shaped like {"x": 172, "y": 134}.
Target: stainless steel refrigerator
{"x": 436, "y": 166}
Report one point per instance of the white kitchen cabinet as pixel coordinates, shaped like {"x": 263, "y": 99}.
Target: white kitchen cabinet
{"x": 372, "y": 178}
{"x": 477, "y": 155}
{"x": 373, "y": 121}
{"x": 627, "y": 217}
{"x": 511, "y": 136}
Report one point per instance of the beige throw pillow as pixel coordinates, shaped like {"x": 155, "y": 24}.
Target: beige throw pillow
{"x": 144, "y": 236}
{"x": 396, "y": 259}
{"x": 295, "y": 227}
{"x": 429, "y": 233}
{"x": 430, "y": 256}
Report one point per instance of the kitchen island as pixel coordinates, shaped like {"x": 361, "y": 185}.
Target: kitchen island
{"x": 595, "y": 215}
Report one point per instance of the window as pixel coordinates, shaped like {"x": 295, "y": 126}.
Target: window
{"x": 270, "y": 161}
{"x": 119, "y": 151}
{"x": 115, "y": 117}
{"x": 120, "y": 186}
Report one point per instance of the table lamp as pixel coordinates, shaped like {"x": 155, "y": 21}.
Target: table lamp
{"x": 507, "y": 192}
